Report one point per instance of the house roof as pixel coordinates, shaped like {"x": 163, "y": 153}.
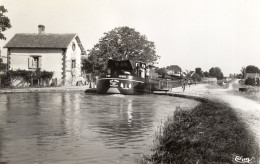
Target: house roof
{"x": 23, "y": 40}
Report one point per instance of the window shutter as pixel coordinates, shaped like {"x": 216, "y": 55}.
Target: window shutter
{"x": 30, "y": 62}
{"x": 40, "y": 62}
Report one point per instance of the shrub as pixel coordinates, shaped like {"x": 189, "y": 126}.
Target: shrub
{"x": 27, "y": 76}
{"x": 250, "y": 81}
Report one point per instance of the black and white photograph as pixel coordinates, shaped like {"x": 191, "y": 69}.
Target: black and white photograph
{"x": 129, "y": 82}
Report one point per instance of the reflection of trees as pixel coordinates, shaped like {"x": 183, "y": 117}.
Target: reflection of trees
{"x": 122, "y": 119}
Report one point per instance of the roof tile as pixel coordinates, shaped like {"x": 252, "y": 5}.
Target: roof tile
{"x": 40, "y": 41}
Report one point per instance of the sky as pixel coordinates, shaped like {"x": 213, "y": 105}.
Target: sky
{"x": 188, "y": 33}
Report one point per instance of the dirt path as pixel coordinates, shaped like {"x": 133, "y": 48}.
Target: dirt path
{"x": 248, "y": 110}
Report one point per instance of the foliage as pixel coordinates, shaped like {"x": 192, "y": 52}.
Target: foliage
{"x": 206, "y": 74}
{"x": 243, "y": 71}
{"x": 239, "y": 76}
{"x": 5, "y": 81}
{"x": 161, "y": 71}
{"x": 27, "y": 76}
{"x": 196, "y": 77}
{"x": 2, "y": 66}
{"x": 4, "y": 22}
{"x": 46, "y": 75}
{"x": 209, "y": 133}
{"x": 216, "y": 72}
{"x": 252, "y": 69}
{"x": 199, "y": 71}
{"x": 250, "y": 81}
{"x": 172, "y": 69}
{"x": 118, "y": 44}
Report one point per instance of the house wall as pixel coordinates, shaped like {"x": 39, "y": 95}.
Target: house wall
{"x": 209, "y": 80}
{"x": 72, "y": 74}
{"x": 52, "y": 60}
{"x": 252, "y": 75}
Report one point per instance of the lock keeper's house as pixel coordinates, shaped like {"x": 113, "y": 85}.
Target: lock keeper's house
{"x": 59, "y": 53}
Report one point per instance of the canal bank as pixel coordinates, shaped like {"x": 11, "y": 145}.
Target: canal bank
{"x": 45, "y": 89}
{"x": 215, "y": 131}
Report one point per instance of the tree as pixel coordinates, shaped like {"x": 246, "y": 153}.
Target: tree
{"x": 216, "y": 72}
{"x": 161, "y": 71}
{"x": 196, "y": 77}
{"x": 206, "y": 74}
{"x": 4, "y": 22}
{"x": 243, "y": 71}
{"x": 199, "y": 71}
{"x": 252, "y": 69}
{"x": 122, "y": 43}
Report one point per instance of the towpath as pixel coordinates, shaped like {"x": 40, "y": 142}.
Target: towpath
{"x": 247, "y": 109}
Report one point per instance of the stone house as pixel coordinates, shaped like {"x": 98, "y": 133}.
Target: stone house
{"x": 252, "y": 75}
{"x": 59, "y": 53}
{"x": 174, "y": 70}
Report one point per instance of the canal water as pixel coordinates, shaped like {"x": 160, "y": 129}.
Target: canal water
{"x": 72, "y": 128}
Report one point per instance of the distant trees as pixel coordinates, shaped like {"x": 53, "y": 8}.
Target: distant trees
{"x": 121, "y": 43}
{"x": 243, "y": 71}
{"x": 206, "y": 74}
{"x": 195, "y": 76}
{"x": 216, "y": 72}
{"x": 199, "y": 72}
{"x": 4, "y": 22}
{"x": 252, "y": 69}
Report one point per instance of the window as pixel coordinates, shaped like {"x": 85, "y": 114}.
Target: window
{"x": 34, "y": 62}
{"x": 73, "y": 46}
{"x": 73, "y": 64}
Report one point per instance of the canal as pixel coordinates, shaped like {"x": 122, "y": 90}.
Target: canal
{"x": 80, "y": 128}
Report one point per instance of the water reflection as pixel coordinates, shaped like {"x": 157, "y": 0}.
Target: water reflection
{"x": 130, "y": 110}
{"x": 79, "y": 128}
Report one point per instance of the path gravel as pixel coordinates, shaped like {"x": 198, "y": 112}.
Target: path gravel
{"x": 247, "y": 109}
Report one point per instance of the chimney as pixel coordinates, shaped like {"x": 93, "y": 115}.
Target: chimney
{"x": 41, "y": 29}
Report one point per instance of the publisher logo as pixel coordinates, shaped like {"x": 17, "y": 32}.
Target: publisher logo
{"x": 241, "y": 159}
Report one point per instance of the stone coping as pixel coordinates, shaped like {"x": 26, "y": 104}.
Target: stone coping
{"x": 44, "y": 89}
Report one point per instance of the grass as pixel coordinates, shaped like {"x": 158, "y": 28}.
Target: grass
{"x": 209, "y": 133}
{"x": 253, "y": 93}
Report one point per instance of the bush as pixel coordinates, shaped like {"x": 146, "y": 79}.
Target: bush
{"x": 250, "y": 81}
{"x": 27, "y": 76}
{"x": 5, "y": 81}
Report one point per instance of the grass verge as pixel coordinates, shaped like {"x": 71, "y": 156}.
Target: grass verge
{"x": 209, "y": 133}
